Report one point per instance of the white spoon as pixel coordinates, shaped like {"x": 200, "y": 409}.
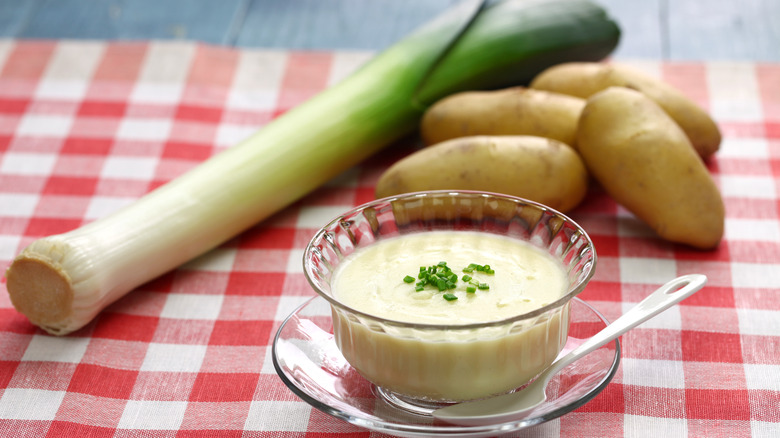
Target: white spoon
{"x": 513, "y": 406}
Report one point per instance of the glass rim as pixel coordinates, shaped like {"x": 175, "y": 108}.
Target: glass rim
{"x": 574, "y": 289}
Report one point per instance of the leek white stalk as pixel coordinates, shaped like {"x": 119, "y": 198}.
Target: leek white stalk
{"x": 62, "y": 282}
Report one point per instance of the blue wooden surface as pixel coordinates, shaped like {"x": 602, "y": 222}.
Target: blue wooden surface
{"x": 657, "y": 29}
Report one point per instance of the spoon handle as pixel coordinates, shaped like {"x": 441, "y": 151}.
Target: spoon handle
{"x": 664, "y": 297}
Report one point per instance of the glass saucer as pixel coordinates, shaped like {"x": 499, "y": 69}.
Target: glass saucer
{"x": 307, "y": 359}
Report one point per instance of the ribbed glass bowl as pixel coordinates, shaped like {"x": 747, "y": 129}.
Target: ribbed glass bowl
{"x": 475, "y": 360}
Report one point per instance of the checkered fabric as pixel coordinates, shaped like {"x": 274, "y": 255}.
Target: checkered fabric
{"x": 87, "y": 127}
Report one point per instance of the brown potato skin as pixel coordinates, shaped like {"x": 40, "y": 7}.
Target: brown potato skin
{"x": 511, "y": 111}
{"x": 583, "y": 79}
{"x": 535, "y": 168}
{"x": 645, "y": 162}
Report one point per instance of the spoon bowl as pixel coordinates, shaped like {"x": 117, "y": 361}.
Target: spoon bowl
{"x": 517, "y": 405}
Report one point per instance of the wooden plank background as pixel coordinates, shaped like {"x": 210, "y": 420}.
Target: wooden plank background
{"x": 656, "y": 29}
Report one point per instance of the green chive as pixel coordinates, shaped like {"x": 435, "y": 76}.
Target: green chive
{"x": 450, "y": 297}
{"x": 443, "y": 278}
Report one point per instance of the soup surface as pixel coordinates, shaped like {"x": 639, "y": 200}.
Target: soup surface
{"x": 512, "y": 277}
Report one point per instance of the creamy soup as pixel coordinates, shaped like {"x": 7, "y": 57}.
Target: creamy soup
{"x": 524, "y": 278}
{"x": 456, "y": 363}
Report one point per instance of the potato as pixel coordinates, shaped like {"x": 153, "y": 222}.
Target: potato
{"x": 646, "y": 163}
{"x": 535, "y": 168}
{"x": 583, "y": 79}
{"x": 511, "y": 111}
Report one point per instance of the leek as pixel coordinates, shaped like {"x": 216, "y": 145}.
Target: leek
{"x": 62, "y": 282}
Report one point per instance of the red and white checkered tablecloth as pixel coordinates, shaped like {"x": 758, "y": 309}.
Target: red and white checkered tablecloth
{"x": 87, "y": 127}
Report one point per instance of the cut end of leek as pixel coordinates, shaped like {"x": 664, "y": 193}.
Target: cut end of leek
{"x": 41, "y": 289}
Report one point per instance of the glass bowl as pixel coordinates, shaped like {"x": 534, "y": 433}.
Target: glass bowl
{"x": 307, "y": 360}
{"x": 420, "y": 366}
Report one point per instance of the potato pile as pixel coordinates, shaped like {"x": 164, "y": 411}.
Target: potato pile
{"x": 641, "y": 139}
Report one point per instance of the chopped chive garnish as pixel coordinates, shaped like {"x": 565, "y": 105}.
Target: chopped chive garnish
{"x": 441, "y": 277}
